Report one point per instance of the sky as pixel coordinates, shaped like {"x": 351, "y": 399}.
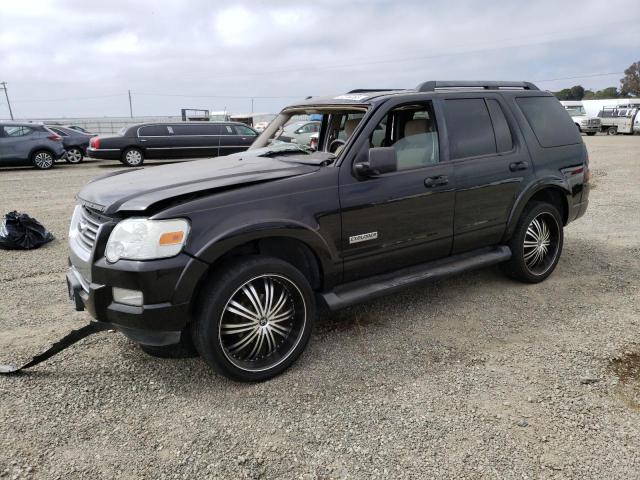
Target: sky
{"x": 78, "y": 58}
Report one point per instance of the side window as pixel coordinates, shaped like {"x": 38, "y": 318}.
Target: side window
{"x": 153, "y": 131}
{"x": 411, "y": 131}
{"x": 469, "y": 128}
{"x": 504, "y": 142}
{"x": 16, "y": 131}
{"x": 245, "y": 131}
{"x": 227, "y": 130}
{"x": 549, "y": 121}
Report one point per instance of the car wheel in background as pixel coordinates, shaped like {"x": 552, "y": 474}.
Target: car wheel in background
{"x": 612, "y": 131}
{"x": 74, "y": 155}
{"x": 591, "y": 134}
{"x": 42, "y": 159}
{"x": 132, "y": 157}
{"x": 536, "y": 244}
{"x": 254, "y": 318}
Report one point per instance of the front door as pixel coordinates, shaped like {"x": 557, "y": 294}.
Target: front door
{"x": 491, "y": 164}
{"x": 399, "y": 218}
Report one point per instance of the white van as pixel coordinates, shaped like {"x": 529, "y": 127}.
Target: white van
{"x": 585, "y": 123}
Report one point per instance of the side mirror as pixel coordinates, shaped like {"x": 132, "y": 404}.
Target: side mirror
{"x": 381, "y": 160}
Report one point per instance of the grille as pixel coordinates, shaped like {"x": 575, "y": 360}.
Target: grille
{"x": 594, "y": 121}
{"x": 88, "y": 226}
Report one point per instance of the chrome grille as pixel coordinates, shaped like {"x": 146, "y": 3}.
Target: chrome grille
{"x": 88, "y": 226}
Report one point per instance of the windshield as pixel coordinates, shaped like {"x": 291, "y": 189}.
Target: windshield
{"x": 576, "y": 111}
{"x": 323, "y": 128}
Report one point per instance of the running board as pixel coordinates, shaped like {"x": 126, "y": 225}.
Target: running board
{"x": 361, "y": 290}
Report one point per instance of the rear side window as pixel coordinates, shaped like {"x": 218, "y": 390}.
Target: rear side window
{"x": 153, "y": 131}
{"x": 16, "y": 131}
{"x": 504, "y": 142}
{"x": 59, "y": 132}
{"x": 469, "y": 128}
{"x": 187, "y": 129}
{"x": 549, "y": 121}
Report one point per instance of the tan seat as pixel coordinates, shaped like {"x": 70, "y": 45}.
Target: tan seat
{"x": 416, "y": 127}
{"x": 419, "y": 146}
{"x": 350, "y": 126}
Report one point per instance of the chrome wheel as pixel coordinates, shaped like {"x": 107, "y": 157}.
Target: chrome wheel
{"x": 133, "y": 157}
{"x": 74, "y": 155}
{"x": 43, "y": 160}
{"x": 540, "y": 246}
{"x": 262, "y": 322}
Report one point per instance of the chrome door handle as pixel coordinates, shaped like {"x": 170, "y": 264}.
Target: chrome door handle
{"x": 515, "y": 166}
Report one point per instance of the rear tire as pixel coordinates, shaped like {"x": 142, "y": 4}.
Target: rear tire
{"x": 254, "y": 318}
{"x": 42, "y": 160}
{"x": 74, "y": 155}
{"x": 612, "y": 131}
{"x": 132, "y": 157}
{"x": 591, "y": 134}
{"x": 536, "y": 244}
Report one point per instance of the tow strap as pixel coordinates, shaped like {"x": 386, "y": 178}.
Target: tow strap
{"x": 65, "y": 342}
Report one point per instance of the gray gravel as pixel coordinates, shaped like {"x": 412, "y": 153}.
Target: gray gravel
{"x": 473, "y": 377}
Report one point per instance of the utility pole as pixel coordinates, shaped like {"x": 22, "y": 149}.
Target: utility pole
{"x": 251, "y": 104}
{"x": 6, "y": 94}
{"x": 130, "y": 106}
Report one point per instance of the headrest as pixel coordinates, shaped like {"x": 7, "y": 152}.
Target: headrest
{"x": 416, "y": 127}
{"x": 350, "y": 125}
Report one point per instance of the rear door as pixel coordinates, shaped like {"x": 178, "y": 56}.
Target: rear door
{"x": 491, "y": 165}
{"x": 16, "y": 143}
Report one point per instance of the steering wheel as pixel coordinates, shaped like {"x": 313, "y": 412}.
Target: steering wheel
{"x": 335, "y": 145}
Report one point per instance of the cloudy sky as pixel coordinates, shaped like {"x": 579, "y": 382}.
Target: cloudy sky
{"x": 79, "y": 57}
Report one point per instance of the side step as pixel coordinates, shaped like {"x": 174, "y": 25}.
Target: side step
{"x": 361, "y": 290}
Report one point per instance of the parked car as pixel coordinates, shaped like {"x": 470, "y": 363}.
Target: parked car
{"x": 136, "y": 143}
{"x": 232, "y": 260}
{"x": 299, "y": 132}
{"x": 585, "y": 123}
{"x": 619, "y": 119}
{"x": 29, "y": 144}
{"x": 260, "y": 126}
{"x": 80, "y": 129}
{"x": 75, "y": 142}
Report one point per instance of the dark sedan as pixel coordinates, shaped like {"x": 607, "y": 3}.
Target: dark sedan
{"x": 136, "y": 143}
{"x": 75, "y": 142}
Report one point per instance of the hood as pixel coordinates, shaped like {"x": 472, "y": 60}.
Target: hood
{"x": 137, "y": 190}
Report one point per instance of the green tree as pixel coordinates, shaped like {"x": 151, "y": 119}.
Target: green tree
{"x": 630, "y": 83}
{"x": 574, "y": 93}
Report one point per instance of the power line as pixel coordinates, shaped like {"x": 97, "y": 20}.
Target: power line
{"x": 579, "y": 76}
{"x": 218, "y": 96}
{"x": 68, "y": 99}
{"x": 6, "y": 94}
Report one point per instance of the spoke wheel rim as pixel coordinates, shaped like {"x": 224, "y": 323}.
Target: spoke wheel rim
{"x": 134, "y": 157}
{"x": 540, "y": 246}
{"x": 74, "y": 155}
{"x": 44, "y": 160}
{"x": 262, "y": 322}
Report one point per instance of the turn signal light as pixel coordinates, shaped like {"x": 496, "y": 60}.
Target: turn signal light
{"x": 94, "y": 142}
{"x": 171, "y": 238}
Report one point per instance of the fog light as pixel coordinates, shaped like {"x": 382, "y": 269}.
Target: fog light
{"x": 128, "y": 297}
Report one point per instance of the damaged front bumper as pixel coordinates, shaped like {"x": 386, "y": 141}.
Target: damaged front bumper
{"x": 151, "y": 323}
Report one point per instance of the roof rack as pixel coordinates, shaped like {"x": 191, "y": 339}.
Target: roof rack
{"x": 432, "y": 86}
{"x": 366, "y": 90}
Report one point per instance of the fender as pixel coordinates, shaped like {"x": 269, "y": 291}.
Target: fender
{"x": 558, "y": 183}
{"x": 214, "y": 249}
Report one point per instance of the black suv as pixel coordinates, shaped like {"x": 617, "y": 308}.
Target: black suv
{"x": 405, "y": 186}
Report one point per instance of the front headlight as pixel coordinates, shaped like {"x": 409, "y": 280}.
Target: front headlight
{"x": 144, "y": 239}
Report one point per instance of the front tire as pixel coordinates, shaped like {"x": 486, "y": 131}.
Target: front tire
{"x": 132, "y": 157}
{"x": 254, "y": 318}
{"x": 591, "y": 134}
{"x": 536, "y": 244}
{"x": 74, "y": 155}
{"x": 42, "y": 160}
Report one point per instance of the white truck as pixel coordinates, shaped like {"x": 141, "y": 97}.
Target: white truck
{"x": 620, "y": 119}
{"x": 585, "y": 123}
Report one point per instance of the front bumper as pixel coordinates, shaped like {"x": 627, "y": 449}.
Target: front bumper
{"x": 589, "y": 128}
{"x": 165, "y": 312}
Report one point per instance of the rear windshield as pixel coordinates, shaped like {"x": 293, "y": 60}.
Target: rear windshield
{"x": 549, "y": 120}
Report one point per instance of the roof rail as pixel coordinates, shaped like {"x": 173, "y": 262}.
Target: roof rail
{"x": 432, "y": 86}
{"x": 365, "y": 90}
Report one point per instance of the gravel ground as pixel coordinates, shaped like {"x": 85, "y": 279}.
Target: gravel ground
{"x": 473, "y": 377}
